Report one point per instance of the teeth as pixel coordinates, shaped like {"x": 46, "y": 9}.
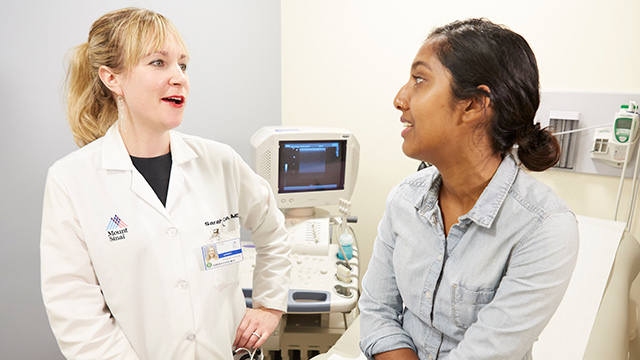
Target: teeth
{"x": 407, "y": 125}
{"x": 174, "y": 99}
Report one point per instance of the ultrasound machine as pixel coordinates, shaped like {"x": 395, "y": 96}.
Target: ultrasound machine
{"x": 311, "y": 169}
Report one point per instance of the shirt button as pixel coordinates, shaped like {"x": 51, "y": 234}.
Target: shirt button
{"x": 439, "y": 257}
{"x": 182, "y": 284}
{"x": 191, "y": 337}
{"x": 172, "y": 232}
{"x": 428, "y": 294}
{"x": 430, "y": 357}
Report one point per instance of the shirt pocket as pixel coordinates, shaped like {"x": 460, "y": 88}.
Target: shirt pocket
{"x": 467, "y": 303}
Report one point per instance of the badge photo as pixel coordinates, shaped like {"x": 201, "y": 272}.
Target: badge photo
{"x": 222, "y": 253}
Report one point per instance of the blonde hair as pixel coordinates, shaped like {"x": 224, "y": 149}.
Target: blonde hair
{"x": 215, "y": 253}
{"x": 117, "y": 40}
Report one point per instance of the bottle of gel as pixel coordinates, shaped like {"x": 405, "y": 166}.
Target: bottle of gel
{"x": 346, "y": 242}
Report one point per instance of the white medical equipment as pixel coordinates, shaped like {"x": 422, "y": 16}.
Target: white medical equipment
{"x": 613, "y": 145}
{"x": 625, "y": 125}
{"x": 307, "y": 168}
{"x": 319, "y": 283}
{"x": 616, "y": 146}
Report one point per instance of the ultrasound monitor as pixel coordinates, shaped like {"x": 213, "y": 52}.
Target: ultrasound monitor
{"x": 306, "y": 167}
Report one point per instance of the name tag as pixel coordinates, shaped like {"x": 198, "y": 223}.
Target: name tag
{"x": 222, "y": 253}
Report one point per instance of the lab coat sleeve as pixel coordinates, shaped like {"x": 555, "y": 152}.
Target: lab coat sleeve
{"x": 260, "y": 215}
{"x": 381, "y": 304}
{"x": 79, "y": 317}
{"x": 535, "y": 281}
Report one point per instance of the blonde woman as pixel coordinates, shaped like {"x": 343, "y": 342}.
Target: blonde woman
{"x": 125, "y": 217}
{"x": 212, "y": 255}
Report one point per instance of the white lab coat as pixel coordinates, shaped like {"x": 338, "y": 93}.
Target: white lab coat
{"x": 138, "y": 288}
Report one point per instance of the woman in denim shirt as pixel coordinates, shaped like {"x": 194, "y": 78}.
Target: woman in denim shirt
{"x": 473, "y": 255}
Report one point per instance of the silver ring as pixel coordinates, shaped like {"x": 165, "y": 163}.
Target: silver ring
{"x": 254, "y": 333}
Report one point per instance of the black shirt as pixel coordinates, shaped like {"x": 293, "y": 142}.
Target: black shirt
{"x": 156, "y": 171}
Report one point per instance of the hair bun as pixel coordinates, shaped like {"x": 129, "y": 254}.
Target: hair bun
{"x": 538, "y": 149}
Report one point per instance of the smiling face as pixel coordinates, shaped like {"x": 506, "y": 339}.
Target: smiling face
{"x": 430, "y": 113}
{"x": 156, "y": 89}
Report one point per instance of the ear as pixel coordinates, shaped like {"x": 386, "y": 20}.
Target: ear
{"x": 109, "y": 79}
{"x": 478, "y": 107}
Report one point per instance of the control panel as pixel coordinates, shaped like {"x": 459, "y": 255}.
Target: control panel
{"x": 319, "y": 283}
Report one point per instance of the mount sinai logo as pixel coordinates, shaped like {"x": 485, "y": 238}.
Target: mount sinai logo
{"x": 116, "y": 229}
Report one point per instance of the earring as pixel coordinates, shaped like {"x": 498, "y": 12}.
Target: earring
{"x": 122, "y": 114}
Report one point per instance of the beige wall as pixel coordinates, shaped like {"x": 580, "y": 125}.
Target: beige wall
{"x": 343, "y": 62}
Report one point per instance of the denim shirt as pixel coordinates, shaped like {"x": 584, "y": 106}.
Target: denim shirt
{"x": 487, "y": 289}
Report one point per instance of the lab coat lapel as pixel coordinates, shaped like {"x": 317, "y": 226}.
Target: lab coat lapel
{"x": 116, "y": 157}
{"x": 181, "y": 153}
{"x": 141, "y": 188}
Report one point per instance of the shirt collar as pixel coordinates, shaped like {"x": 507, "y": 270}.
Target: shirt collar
{"x": 116, "y": 157}
{"x": 490, "y": 201}
{"x": 486, "y": 208}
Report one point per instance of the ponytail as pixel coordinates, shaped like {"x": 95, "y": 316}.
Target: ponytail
{"x": 91, "y": 109}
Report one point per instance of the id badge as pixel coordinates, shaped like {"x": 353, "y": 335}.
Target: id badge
{"x": 222, "y": 253}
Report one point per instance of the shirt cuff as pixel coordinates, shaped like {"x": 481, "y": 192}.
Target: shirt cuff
{"x": 387, "y": 343}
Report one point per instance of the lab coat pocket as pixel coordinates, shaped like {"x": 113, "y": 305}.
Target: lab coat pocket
{"x": 467, "y": 303}
{"x": 226, "y": 276}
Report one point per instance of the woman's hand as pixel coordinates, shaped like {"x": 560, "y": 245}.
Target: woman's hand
{"x": 256, "y": 326}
